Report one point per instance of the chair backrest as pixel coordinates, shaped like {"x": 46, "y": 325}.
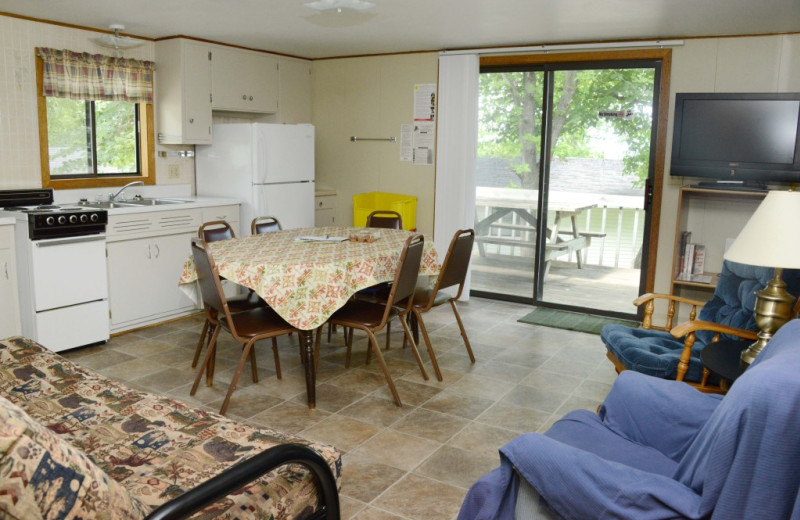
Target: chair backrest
{"x": 208, "y": 279}
{"x": 735, "y": 296}
{"x": 456, "y": 262}
{"x": 264, "y": 225}
{"x": 215, "y": 230}
{"x": 385, "y": 219}
{"x": 405, "y": 278}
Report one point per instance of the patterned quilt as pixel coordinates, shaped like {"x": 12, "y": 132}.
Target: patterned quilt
{"x": 155, "y": 447}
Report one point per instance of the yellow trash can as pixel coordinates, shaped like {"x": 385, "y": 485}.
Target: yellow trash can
{"x": 366, "y": 203}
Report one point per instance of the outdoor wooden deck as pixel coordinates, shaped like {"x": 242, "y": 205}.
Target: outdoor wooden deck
{"x": 593, "y": 286}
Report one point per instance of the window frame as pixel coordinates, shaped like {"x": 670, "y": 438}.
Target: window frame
{"x": 146, "y": 159}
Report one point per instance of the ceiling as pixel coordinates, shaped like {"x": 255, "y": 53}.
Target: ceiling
{"x": 288, "y": 27}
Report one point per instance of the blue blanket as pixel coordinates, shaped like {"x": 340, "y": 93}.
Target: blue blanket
{"x": 659, "y": 449}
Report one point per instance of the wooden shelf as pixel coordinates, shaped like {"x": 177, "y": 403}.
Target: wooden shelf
{"x": 713, "y": 216}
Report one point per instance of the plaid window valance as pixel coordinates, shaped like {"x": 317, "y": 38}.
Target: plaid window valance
{"x": 92, "y": 77}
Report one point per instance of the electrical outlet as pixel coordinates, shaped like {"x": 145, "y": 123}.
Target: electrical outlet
{"x": 174, "y": 171}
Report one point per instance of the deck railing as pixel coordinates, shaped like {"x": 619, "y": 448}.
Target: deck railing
{"x": 616, "y": 223}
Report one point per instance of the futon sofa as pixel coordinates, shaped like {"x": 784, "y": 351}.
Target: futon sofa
{"x": 74, "y": 444}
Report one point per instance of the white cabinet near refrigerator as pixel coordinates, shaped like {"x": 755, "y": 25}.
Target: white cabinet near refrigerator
{"x": 243, "y": 81}
{"x": 183, "y": 88}
{"x": 269, "y": 167}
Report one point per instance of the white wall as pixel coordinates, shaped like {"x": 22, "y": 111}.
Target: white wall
{"x": 370, "y": 97}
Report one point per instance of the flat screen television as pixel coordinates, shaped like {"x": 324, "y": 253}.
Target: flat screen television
{"x": 737, "y": 139}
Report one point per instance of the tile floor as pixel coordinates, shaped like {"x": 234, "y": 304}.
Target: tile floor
{"x": 414, "y": 462}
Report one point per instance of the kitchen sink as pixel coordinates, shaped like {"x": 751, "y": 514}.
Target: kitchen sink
{"x": 132, "y": 203}
{"x": 107, "y": 204}
{"x": 154, "y": 202}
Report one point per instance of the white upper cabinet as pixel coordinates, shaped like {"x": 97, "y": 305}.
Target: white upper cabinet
{"x": 244, "y": 81}
{"x": 183, "y": 92}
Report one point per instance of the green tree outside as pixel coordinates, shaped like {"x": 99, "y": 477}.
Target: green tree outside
{"x": 70, "y": 138}
{"x": 511, "y": 116}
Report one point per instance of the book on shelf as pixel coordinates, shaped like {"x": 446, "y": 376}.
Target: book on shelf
{"x": 688, "y": 258}
{"x": 692, "y": 265}
{"x": 686, "y": 236}
{"x": 698, "y": 265}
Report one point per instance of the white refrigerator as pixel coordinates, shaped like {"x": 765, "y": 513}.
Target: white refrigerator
{"x": 269, "y": 167}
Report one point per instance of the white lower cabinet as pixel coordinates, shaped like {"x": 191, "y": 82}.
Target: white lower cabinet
{"x": 9, "y": 316}
{"x": 143, "y": 280}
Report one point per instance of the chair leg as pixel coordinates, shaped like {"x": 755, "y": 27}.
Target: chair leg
{"x": 348, "y": 341}
{"x": 428, "y": 345}
{"x": 373, "y": 344}
{"x": 388, "y": 335}
{"x": 210, "y": 353}
{"x": 253, "y": 366}
{"x": 413, "y": 347}
{"x": 277, "y": 357}
{"x": 463, "y": 332}
{"x": 248, "y": 348}
{"x": 316, "y": 347}
{"x": 200, "y": 343}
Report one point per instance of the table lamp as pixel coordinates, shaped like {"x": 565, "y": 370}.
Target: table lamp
{"x": 770, "y": 239}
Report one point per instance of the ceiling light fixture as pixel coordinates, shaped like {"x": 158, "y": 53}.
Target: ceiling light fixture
{"x": 115, "y": 41}
{"x": 339, "y": 5}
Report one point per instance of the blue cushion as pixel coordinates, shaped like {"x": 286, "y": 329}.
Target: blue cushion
{"x": 657, "y": 353}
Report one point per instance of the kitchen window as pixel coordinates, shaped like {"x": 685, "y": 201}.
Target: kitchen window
{"x": 95, "y": 119}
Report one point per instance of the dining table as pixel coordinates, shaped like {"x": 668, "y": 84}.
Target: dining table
{"x": 306, "y": 274}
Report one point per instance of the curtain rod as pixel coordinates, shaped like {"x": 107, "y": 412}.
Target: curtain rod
{"x": 568, "y": 47}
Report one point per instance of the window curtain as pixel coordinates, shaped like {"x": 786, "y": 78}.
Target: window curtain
{"x": 457, "y": 143}
{"x": 93, "y": 77}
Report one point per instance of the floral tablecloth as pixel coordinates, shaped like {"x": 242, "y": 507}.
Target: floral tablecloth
{"x": 305, "y": 282}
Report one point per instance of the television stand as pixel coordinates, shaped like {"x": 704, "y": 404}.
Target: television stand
{"x": 731, "y": 185}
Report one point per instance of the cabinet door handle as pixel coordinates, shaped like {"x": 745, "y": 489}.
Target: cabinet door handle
{"x": 149, "y": 253}
{"x": 244, "y": 97}
{"x": 251, "y": 98}
{"x": 158, "y": 251}
{"x": 6, "y": 269}
{"x": 191, "y": 120}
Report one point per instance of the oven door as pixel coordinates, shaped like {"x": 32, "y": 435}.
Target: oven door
{"x": 68, "y": 271}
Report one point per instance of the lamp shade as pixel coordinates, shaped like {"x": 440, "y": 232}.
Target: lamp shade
{"x": 770, "y": 238}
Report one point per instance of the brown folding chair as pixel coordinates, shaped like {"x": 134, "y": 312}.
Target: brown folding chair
{"x": 212, "y": 232}
{"x": 372, "y": 317}
{"x": 453, "y": 273}
{"x": 215, "y": 230}
{"x": 385, "y": 219}
{"x": 264, "y": 225}
{"x": 246, "y": 327}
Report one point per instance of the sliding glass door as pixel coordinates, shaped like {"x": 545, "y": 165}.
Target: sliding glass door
{"x": 566, "y": 155}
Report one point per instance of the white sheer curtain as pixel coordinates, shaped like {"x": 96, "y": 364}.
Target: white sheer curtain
{"x": 457, "y": 141}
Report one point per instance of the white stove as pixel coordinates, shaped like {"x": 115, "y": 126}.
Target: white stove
{"x": 61, "y": 258}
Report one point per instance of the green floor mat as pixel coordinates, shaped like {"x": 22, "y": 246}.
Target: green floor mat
{"x": 572, "y": 320}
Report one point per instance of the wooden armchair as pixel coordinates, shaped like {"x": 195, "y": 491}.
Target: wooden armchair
{"x": 673, "y": 351}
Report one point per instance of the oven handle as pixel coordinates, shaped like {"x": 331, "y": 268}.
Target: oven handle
{"x": 70, "y": 240}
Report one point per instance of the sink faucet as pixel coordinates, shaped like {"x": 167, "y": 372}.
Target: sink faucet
{"x": 113, "y": 196}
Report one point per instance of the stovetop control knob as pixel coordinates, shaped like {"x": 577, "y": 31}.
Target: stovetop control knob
{"x": 84, "y": 218}
{"x": 62, "y": 219}
{"x": 73, "y": 219}
{"x": 50, "y": 221}
{"x": 94, "y": 217}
